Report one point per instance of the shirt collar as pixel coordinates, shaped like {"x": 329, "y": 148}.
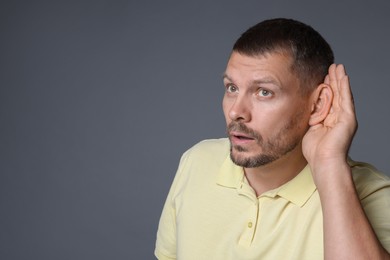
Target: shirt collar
{"x": 298, "y": 190}
{"x": 230, "y": 174}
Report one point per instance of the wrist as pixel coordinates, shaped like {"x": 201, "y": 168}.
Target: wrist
{"x": 332, "y": 175}
{"x": 330, "y": 165}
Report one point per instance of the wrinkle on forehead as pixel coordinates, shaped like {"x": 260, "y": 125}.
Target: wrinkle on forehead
{"x": 271, "y": 68}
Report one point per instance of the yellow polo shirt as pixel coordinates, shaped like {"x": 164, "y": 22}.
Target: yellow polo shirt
{"x": 211, "y": 212}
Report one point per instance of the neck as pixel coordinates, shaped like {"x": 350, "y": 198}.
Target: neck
{"x": 277, "y": 173}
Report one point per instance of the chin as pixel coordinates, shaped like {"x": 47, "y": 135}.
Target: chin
{"x": 253, "y": 161}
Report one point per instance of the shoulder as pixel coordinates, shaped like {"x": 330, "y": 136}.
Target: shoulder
{"x": 204, "y": 158}
{"x": 210, "y": 148}
{"x": 373, "y": 188}
{"x": 368, "y": 179}
{"x": 199, "y": 167}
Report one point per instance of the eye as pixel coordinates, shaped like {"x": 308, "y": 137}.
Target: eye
{"x": 264, "y": 93}
{"x": 231, "y": 88}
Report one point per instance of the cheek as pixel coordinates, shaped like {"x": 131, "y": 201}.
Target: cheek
{"x": 298, "y": 120}
{"x": 271, "y": 121}
{"x": 225, "y": 108}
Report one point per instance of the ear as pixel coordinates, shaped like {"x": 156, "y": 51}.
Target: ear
{"x": 322, "y": 99}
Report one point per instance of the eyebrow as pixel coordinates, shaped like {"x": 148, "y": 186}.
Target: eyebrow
{"x": 225, "y": 76}
{"x": 265, "y": 80}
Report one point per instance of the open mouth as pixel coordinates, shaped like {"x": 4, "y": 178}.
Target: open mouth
{"x": 242, "y": 137}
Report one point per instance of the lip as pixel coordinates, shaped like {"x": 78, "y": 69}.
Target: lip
{"x": 238, "y": 138}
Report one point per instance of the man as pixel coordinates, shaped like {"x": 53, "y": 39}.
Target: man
{"x": 281, "y": 186}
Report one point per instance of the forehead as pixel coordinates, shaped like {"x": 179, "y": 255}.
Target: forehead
{"x": 271, "y": 65}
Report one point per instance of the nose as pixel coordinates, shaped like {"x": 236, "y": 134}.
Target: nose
{"x": 240, "y": 110}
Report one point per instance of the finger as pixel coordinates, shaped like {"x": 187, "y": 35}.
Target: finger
{"x": 340, "y": 78}
{"x": 346, "y": 102}
{"x": 343, "y": 84}
{"x": 346, "y": 94}
{"x": 340, "y": 72}
{"x": 334, "y": 84}
{"x": 326, "y": 80}
{"x": 332, "y": 75}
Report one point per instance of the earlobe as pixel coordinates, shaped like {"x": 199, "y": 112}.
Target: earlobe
{"x": 322, "y": 102}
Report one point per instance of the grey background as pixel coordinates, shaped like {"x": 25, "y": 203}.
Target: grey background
{"x": 98, "y": 100}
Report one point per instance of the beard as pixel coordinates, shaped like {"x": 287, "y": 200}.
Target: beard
{"x": 271, "y": 149}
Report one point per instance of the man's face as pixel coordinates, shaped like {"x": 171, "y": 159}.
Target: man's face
{"x": 266, "y": 114}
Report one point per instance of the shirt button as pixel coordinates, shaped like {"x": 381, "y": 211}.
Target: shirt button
{"x": 250, "y": 224}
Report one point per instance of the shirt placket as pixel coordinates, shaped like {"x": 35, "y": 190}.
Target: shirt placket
{"x": 252, "y": 216}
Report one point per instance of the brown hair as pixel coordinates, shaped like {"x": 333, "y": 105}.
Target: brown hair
{"x": 310, "y": 53}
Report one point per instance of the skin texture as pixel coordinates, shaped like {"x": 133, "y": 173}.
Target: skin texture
{"x": 347, "y": 231}
{"x": 275, "y": 132}
{"x": 263, "y": 95}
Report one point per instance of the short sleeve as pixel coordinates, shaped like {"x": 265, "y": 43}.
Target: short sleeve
{"x": 377, "y": 208}
{"x": 166, "y": 233}
{"x": 373, "y": 188}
